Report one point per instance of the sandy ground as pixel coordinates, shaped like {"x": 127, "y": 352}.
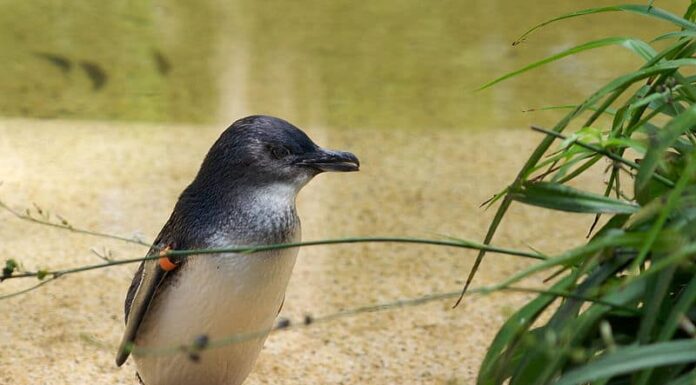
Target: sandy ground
{"x": 124, "y": 179}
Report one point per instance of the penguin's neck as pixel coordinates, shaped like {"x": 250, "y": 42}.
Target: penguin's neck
{"x": 264, "y": 215}
{"x": 245, "y": 214}
{"x": 266, "y": 199}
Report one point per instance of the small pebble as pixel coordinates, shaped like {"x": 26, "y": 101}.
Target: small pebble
{"x": 283, "y": 323}
{"x": 308, "y": 319}
{"x": 201, "y": 341}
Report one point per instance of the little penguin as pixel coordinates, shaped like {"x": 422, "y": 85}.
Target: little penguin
{"x": 243, "y": 195}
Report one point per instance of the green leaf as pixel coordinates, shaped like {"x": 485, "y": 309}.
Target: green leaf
{"x": 634, "y": 8}
{"x": 625, "y": 143}
{"x": 41, "y": 274}
{"x": 561, "y": 177}
{"x": 669, "y": 326}
{"x": 638, "y": 46}
{"x": 608, "y": 111}
{"x": 565, "y": 198}
{"x": 658, "y": 291}
{"x": 671, "y": 202}
{"x": 675, "y": 35}
{"x": 665, "y": 138}
{"x": 681, "y": 307}
{"x": 614, "y": 90}
{"x": 630, "y": 359}
{"x": 511, "y": 331}
{"x": 646, "y": 72}
{"x": 610, "y": 238}
{"x": 687, "y": 379}
{"x": 568, "y": 321}
{"x": 10, "y": 266}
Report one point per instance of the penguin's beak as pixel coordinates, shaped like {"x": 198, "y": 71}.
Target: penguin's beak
{"x": 323, "y": 159}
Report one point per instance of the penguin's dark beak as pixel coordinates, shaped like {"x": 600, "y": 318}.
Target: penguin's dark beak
{"x": 323, "y": 159}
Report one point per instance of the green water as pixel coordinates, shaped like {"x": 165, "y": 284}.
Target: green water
{"x": 340, "y": 64}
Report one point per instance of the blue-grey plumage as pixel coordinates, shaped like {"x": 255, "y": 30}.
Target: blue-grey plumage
{"x": 243, "y": 195}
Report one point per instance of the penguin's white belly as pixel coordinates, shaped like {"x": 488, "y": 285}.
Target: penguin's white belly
{"x": 217, "y": 296}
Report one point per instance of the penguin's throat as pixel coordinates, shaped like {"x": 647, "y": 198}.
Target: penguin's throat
{"x": 263, "y": 215}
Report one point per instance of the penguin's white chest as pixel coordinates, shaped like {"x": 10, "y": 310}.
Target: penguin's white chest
{"x": 219, "y": 297}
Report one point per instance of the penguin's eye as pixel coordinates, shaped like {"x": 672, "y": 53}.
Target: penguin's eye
{"x": 280, "y": 152}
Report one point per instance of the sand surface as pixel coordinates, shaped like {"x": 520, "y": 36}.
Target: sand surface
{"x": 124, "y": 179}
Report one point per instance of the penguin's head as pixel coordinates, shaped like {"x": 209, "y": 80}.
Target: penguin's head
{"x": 264, "y": 149}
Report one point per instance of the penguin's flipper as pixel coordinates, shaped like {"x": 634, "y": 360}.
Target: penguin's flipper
{"x": 147, "y": 279}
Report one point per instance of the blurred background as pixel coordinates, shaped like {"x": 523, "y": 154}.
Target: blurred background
{"x": 107, "y": 109}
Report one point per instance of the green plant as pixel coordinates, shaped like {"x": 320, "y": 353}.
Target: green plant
{"x": 621, "y": 309}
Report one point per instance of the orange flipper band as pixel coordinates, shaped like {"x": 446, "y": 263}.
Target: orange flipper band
{"x": 165, "y": 263}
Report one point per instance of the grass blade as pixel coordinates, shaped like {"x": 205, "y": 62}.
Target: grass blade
{"x": 638, "y": 46}
{"x": 671, "y": 202}
{"x": 687, "y": 379}
{"x": 565, "y": 198}
{"x": 675, "y": 35}
{"x": 634, "y": 8}
{"x": 632, "y": 358}
{"x": 665, "y": 139}
{"x": 511, "y": 330}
